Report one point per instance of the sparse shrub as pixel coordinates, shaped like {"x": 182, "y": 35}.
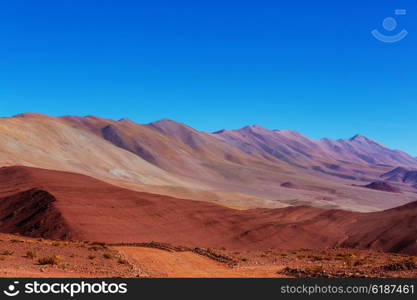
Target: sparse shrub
{"x": 348, "y": 261}
{"x": 244, "y": 259}
{"x": 49, "y": 260}
{"x": 16, "y": 241}
{"x": 311, "y": 272}
{"x": 400, "y": 266}
{"x": 107, "y": 255}
{"x": 360, "y": 262}
{"x": 344, "y": 255}
{"x": 316, "y": 269}
{"x": 315, "y": 257}
{"x": 6, "y": 252}
{"x": 31, "y": 254}
{"x": 91, "y": 256}
{"x": 64, "y": 265}
{"x": 95, "y": 248}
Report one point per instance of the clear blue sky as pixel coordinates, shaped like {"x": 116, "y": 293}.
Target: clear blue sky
{"x": 311, "y": 66}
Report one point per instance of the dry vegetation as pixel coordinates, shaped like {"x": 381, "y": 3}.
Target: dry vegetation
{"x": 28, "y": 257}
{"x": 330, "y": 263}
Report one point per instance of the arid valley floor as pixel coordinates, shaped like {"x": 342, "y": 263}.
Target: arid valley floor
{"x": 92, "y": 197}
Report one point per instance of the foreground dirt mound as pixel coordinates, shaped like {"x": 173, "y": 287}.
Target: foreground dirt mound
{"x": 54, "y": 204}
{"x": 32, "y": 213}
{"x": 392, "y": 230}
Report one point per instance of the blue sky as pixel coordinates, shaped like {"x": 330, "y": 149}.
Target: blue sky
{"x": 311, "y": 66}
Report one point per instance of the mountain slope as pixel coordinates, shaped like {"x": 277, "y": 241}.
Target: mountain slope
{"x": 42, "y": 141}
{"x": 365, "y": 150}
{"x": 169, "y": 145}
{"x": 402, "y": 175}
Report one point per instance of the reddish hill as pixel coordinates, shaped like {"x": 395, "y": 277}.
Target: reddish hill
{"x": 393, "y": 230}
{"x": 52, "y": 204}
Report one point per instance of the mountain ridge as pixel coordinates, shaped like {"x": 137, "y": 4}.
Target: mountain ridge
{"x": 356, "y": 137}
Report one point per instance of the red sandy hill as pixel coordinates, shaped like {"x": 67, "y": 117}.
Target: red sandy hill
{"x": 61, "y": 205}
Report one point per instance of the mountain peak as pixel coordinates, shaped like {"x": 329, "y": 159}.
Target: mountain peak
{"x": 253, "y": 128}
{"x": 220, "y": 131}
{"x": 127, "y": 120}
{"x": 31, "y": 115}
{"x": 164, "y": 122}
{"x": 168, "y": 125}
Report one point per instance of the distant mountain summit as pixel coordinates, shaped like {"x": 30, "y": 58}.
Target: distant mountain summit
{"x": 363, "y": 139}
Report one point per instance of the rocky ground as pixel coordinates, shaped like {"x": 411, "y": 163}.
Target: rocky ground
{"x": 29, "y": 257}
{"x": 329, "y": 263}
